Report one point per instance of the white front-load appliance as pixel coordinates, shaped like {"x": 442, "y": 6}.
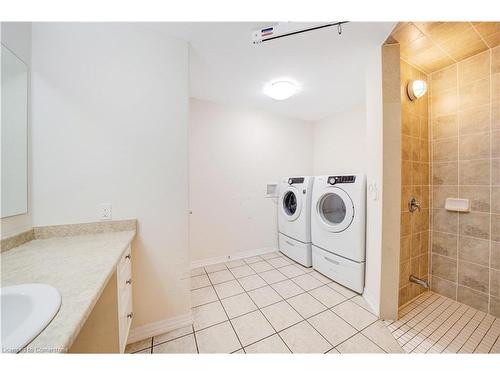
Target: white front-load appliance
{"x": 294, "y": 218}
{"x": 338, "y": 228}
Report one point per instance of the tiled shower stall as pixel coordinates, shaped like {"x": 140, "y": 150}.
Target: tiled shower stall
{"x": 465, "y": 247}
{"x": 450, "y": 148}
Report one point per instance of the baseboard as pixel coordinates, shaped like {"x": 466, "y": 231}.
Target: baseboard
{"x": 227, "y": 258}
{"x": 157, "y": 328}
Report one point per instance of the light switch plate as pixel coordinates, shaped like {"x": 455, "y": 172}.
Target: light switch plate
{"x": 106, "y": 211}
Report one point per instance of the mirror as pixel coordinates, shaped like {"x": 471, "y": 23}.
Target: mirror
{"x": 14, "y": 86}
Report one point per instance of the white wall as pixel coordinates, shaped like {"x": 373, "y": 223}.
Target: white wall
{"x": 17, "y": 37}
{"x": 110, "y": 106}
{"x": 374, "y": 178}
{"x": 233, "y": 153}
{"x": 340, "y": 142}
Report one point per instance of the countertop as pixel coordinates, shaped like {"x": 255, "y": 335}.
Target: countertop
{"x": 79, "y": 267}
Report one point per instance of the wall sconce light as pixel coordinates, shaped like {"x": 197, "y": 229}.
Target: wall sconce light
{"x": 416, "y": 89}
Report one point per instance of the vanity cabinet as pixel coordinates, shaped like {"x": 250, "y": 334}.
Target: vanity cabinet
{"x": 107, "y": 327}
{"x": 124, "y": 290}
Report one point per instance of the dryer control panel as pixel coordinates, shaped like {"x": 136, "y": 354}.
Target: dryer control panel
{"x": 295, "y": 180}
{"x": 332, "y": 180}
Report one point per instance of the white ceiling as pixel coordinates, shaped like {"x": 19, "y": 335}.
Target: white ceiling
{"x": 226, "y": 67}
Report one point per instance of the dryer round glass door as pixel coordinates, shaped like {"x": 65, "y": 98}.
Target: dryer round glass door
{"x": 335, "y": 210}
{"x": 291, "y": 204}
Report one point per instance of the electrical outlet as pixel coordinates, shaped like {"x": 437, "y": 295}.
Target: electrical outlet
{"x": 106, "y": 211}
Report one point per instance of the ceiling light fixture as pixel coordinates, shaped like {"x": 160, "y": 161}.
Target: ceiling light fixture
{"x": 280, "y": 89}
{"x": 416, "y": 89}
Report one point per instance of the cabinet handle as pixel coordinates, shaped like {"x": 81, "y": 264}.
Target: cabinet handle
{"x": 130, "y": 315}
{"x": 129, "y": 281}
{"x": 128, "y": 256}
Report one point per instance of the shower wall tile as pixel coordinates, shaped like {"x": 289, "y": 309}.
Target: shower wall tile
{"x": 445, "y": 173}
{"x": 495, "y": 255}
{"x": 440, "y": 193}
{"x": 495, "y": 283}
{"x": 445, "y": 244}
{"x": 495, "y": 172}
{"x": 475, "y": 146}
{"x": 472, "y": 298}
{"x": 415, "y": 180}
{"x": 445, "y": 149}
{"x": 479, "y": 197}
{"x": 494, "y": 306}
{"x": 465, "y": 162}
{"x": 444, "y": 221}
{"x": 474, "y": 224}
{"x": 474, "y": 172}
{"x": 444, "y": 287}
{"x": 444, "y": 268}
{"x": 474, "y": 68}
{"x": 445, "y": 126}
{"x": 495, "y": 200}
{"x": 476, "y": 120}
{"x": 495, "y": 227}
{"x": 474, "y": 250}
{"x": 474, "y": 94}
{"x": 473, "y": 276}
{"x": 495, "y": 144}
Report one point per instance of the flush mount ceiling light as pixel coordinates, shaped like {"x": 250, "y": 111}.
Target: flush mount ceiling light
{"x": 280, "y": 89}
{"x": 416, "y": 89}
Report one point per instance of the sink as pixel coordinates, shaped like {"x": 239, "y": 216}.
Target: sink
{"x": 26, "y": 310}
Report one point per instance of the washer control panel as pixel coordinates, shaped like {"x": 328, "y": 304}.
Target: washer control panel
{"x": 332, "y": 180}
{"x": 295, "y": 180}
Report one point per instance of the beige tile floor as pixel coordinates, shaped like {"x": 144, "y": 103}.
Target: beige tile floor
{"x": 270, "y": 304}
{"x": 436, "y": 324}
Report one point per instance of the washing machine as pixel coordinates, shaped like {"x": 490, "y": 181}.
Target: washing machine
{"x": 338, "y": 222}
{"x": 294, "y": 218}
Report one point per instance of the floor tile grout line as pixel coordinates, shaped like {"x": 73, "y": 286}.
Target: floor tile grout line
{"x": 458, "y": 334}
{"x": 492, "y": 346}
{"x": 227, "y": 315}
{"x": 175, "y": 338}
{"x": 446, "y": 307}
{"x": 482, "y": 338}
{"x": 416, "y": 305}
{"x": 417, "y": 310}
{"x": 448, "y": 330}
{"x": 451, "y": 327}
{"x": 350, "y": 337}
{"x": 437, "y": 328}
{"x": 305, "y": 319}
{"x": 434, "y": 306}
{"x": 283, "y": 299}
{"x": 424, "y": 336}
{"x": 406, "y": 324}
{"x": 265, "y": 317}
{"x": 195, "y": 340}
{"x": 426, "y": 314}
{"x": 373, "y": 342}
{"x": 474, "y": 330}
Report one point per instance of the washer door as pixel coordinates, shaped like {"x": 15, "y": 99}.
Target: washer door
{"x": 335, "y": 210}
{"x": 291, "y": 204}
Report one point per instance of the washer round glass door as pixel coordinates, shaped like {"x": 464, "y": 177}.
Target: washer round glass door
{"x": 335, "y": 210}
{"x": 291, "y": 203}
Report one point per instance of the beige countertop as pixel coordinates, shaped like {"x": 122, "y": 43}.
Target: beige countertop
{"x": 78, "y": 266}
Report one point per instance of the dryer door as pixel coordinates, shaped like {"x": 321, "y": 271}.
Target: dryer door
{"x": 291, "y": 203}
{"x": 335, "y": 210}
